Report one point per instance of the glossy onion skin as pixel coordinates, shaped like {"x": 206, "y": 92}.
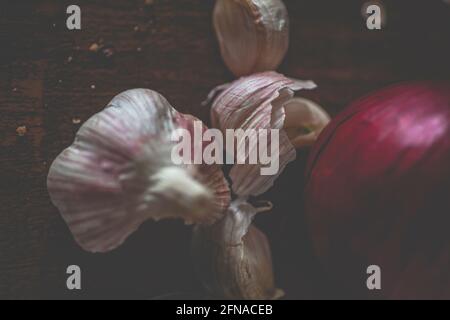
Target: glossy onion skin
{"x": 378, "y": 193}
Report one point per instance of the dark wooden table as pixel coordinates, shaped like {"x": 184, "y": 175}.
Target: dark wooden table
{"x": 49, "y": 78}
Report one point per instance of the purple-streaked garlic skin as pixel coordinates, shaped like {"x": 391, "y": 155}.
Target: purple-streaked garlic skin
{"x": 258, "y": 102}
{"x": 119, "y": 173}
{"x": 253, "y": 34}
{"x": 209, "y": 175}
{"x": 233, "y": 257}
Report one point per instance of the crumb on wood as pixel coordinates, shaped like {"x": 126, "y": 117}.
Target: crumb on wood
{"x": 93, "y": 86}
{"x": 21, "y": 131}
{"x": 69, "y": 59}
{"x": 139, "y": 49}
{"x": 76, "y": 120}
{"x": 101, "y": 48}
{"x": 108, "y": 52}
{"x": 136, "y": 28}
{"x": 94, "y": 47}
{"x": 14, "y": 89}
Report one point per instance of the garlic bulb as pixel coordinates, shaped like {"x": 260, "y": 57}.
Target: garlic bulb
{"x": 118, "y": 173}
{"x": 266, "y": 101}
{"x": 233, "y": 258}
{"x": 253, "y": 34}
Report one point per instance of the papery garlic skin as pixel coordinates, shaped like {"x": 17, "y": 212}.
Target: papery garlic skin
{"x": 233, "y": 257}
{"x": 259, "y": 102}
{"x": 118, "y": 173}
{"x": 253, "y": 34}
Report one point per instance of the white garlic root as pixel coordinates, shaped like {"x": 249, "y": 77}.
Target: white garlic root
{"x": 175, "y": 187}
{"x": 119, "y": 173}
{"x": 233, "y": 257}
{"x": 304, "y": 121}
{"x": 253, "y": 34}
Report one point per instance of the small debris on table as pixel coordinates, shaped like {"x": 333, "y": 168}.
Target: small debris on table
{"x": 94, "y": 47}
{"x": 21, "y": 131}
{"x": 76, "y": 120}
{"x": 107, "y": 51}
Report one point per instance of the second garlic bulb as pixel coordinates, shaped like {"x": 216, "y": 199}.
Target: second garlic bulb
{"x": 253, "y": 34}
{"x": 119, "y": 173}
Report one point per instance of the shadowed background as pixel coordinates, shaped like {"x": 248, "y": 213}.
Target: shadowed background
{"x": 50, "y": 80}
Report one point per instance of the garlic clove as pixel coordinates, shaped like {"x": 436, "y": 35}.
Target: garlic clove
{"x": 304, "y": 121}
{"x": 233, "y": 257}
{"x": 118, "y": 173}
{"x": 253, "y": 34}
{"x": 259, "y": 102}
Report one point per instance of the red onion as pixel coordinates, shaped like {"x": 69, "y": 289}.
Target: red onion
{"x": 378, "y": 193}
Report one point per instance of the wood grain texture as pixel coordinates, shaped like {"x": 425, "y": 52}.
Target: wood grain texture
{"x": 172, "y": 51}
